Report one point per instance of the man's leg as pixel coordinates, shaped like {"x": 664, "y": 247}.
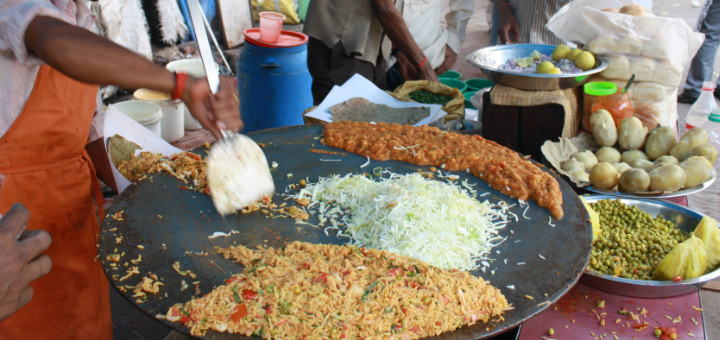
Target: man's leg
{"x": 495, "y": 24}
{"x": 380, "y": 73}
{"x": 701, "y": 68}
{"x": 394, "y": 77}
{"x": 318, "y": 62}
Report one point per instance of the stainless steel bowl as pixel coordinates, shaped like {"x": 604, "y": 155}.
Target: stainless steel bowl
{"x": 685, "y": 219}
{"x": 488, "y": 59}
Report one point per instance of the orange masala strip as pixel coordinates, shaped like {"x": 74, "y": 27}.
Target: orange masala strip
{"x": 497, "y": 165}
{"x": 326, "y": 152}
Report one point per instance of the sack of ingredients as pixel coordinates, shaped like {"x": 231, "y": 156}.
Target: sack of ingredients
{"x": 687, "y": 260}
{"x": 430, "y": 92}
{"x": 709, "y": 233}
{"x": 633, "y": 41}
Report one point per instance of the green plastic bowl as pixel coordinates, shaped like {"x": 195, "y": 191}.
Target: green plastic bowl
{"x": 477, "y": 84}
{"x": 468, "y": 95}
{"x": 451, "y": 75}
{"x": 454, "y": 83}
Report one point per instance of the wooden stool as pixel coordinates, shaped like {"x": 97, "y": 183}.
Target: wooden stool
{"x": 522, "y": 128}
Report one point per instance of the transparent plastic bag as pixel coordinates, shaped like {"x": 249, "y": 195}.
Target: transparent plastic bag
{"x": 709, "y": 233}
{"x": 687, "y": 260}
{"x": 660, "y": 38}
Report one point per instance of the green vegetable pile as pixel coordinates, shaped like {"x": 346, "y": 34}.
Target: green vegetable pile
{"x": 631, "y": 243}
{"x": 425, "y": 97}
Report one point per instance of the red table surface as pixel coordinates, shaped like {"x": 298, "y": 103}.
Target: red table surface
{"x": 578, "y": 306}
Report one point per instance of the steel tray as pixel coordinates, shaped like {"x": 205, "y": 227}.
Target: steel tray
{"x": 488, "y": 59}
{"x": 684, "y": 218}
{"x": 683, "y": 192}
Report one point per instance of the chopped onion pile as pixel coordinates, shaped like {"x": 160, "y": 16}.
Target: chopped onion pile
{"x": 434, "y": 221}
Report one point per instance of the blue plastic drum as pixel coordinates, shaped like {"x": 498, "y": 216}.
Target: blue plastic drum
{"x": 274, "y": 85}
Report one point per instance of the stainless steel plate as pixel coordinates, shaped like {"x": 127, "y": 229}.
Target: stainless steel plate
{"x": 683, "y": 192}
{"x": 488, "y": 59}
{"x": 684, "y": 218}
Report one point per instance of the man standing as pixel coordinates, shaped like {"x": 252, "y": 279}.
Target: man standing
{"x": 346, "y": 37}
{"x": 522, "y": 21}
{"x": 440, "y": 45}
{"x": 49, "y": 62}
{"x": 701, "y": 68}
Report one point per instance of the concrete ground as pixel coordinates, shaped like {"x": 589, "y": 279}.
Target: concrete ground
{"x": 130, "y": 324}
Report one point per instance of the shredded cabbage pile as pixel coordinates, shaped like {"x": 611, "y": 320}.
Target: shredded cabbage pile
{"x": 434, "y": 221}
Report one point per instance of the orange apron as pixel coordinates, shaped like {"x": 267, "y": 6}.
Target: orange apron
{"x": 48, "y": 170}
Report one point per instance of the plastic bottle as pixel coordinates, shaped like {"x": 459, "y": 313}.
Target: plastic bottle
{"x": 699, "y": 112}
{"x": 708, "y": 200}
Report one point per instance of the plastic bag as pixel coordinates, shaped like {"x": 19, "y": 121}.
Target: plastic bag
{"x": 662, "y": 38}
{"x": 655, "y": 49}
{"x": 709, "y": 233}
{"x": 455, "y": 108}
{"x": 284, "y": 7}
{"x": 687, "y": 260}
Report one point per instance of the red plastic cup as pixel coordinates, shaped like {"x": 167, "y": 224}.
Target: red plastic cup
{"x": 270, "y": 26}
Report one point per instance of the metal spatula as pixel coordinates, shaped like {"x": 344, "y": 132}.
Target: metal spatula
{"x": 237, "y": 171}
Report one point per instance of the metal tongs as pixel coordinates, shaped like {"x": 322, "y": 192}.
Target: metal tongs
{"x": 238, "y": 174}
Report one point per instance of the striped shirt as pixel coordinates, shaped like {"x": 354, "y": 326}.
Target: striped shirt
{"x": 532, "y": 16}
{"x": 18, "y": 67}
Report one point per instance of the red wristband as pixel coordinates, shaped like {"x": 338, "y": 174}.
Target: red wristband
{"x": 422, "y": 63}
{"x": 503, "y": 5}
{"x": 180, "y": 82}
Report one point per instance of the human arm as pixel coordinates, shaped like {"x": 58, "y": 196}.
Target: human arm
{"x": 394, "y": 25}
{"x": 508, "y": 29}
{"x": 86, "y": 57}
{"x": 20, "y": 259}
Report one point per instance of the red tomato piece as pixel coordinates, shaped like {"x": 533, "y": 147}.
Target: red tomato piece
{"x": 395, "y": 272}
{"x": 322, "y": 278}
{"x": 249, "y": 295}
{"x": 239, "y": 312}
{"x": 232, "y": 279}
{"x": 185, "y": 319}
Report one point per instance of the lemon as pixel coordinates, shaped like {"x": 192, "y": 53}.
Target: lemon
{"x": 561, "y": 52}
{"x": 521, "y": 62}
{"x": 535, "y": 55}
{"x": 585, "y": 61}
{"x": 574, "y": 53}
{"x": 594, "y": 219}
{"x": 553, "y": 70}
{"x": 529, "y": 60}
{"x": 543, "y": 67}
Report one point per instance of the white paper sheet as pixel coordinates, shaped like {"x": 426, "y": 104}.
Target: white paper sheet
{"x": 117, "y": 123}
{"x": 358, "y": 86}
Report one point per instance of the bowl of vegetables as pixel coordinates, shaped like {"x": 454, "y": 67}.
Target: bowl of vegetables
{"x": 523, "y": 66}
{"x": 642, "y": 242}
